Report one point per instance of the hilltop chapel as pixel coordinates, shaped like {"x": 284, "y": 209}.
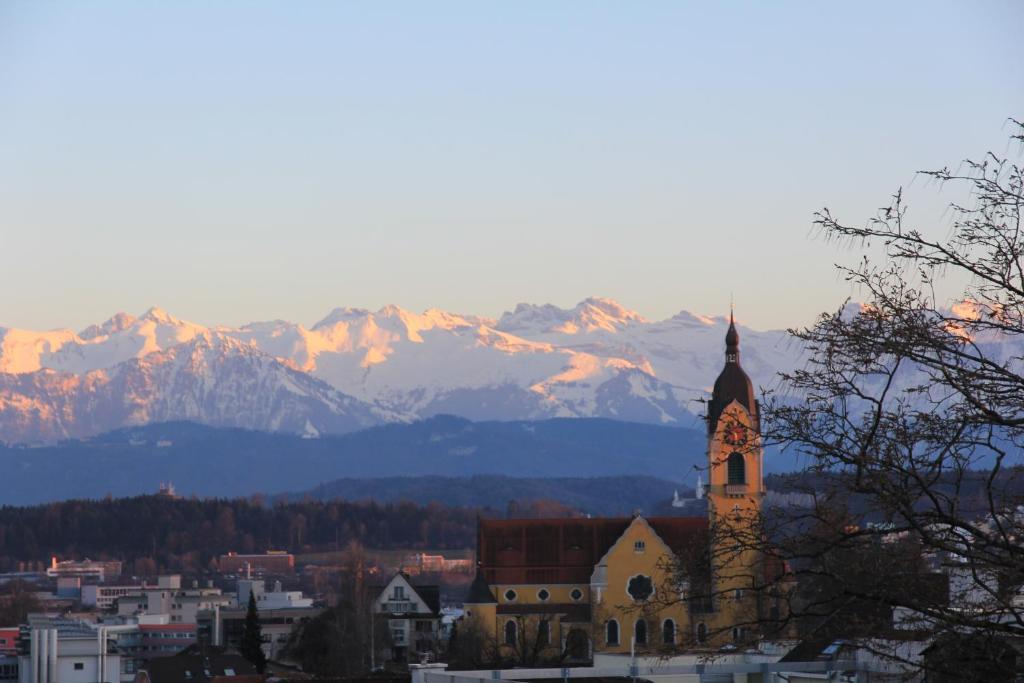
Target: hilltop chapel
{"x": 569, "y": 588}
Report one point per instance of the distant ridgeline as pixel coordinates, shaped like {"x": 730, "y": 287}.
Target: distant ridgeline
{"x": 226, "y": 462}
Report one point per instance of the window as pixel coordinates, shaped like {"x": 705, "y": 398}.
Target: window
{"x": 510, "y": 633}
{"x": 668, "y": 632}
{"x": 544, "y": 633}
{"x": 543, "y": 595}
{"x": 737, "y": 634}
{"x": 639, "y": 547}
{"x": 576, "y": 594}
{"x": 399, "y": 593}
{"x": 738, "y": 593}
{"x": 510, "y": 595}
{"x": 702, "y": 632}
{"x": 737, "y": 469}
{"x": 640, "y": 632}
{"x": 640, "y": 587}
{"x": 611, "y": 632}
{"x": 79, "y": 666}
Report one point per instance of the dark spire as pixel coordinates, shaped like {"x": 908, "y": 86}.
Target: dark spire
{"x": 479, "y": 591}
{"x": 732, "y": 383}
{"x": 732, "y": 342}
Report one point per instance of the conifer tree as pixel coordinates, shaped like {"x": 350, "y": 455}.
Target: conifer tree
{"x": 252, "y": 636}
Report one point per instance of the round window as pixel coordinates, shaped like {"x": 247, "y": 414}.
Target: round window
{"x": 576, "y": 594}
{"x": 543, "y": 594}
{"x": 640, "y": 587}
{"x": 510, "y": 595}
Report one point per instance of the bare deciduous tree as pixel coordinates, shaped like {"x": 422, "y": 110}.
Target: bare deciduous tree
{"x": 910, "y": 410}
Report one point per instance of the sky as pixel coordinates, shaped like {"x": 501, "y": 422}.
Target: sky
{"x": 241, "y": 161}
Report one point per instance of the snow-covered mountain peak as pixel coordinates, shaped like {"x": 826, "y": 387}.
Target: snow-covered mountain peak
{"x": 589, "y": 315}
{"x": 160, "y": 316}
{"x": 597, "y": 358}
{"x": 116, "y": 323}
{"x": 688, "y": 318}
{"x": 342, "y": 314}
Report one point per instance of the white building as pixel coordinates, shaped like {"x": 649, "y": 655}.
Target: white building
{"x": 105, "y": 597}
{"x": 413, "y": 614}
{"x": 275, "y": 599}
{"x": 73, "y": 652}
{"x": 280, "y": 612}
{"x": 168, "y": 597}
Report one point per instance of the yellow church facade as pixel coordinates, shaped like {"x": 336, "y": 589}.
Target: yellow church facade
{"x": 564, "y": 589}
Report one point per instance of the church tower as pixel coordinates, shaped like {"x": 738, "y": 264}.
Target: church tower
{"x": 735, "y": 486}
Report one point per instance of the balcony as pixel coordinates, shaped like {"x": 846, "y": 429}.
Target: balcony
{"x": 398, "y": 607}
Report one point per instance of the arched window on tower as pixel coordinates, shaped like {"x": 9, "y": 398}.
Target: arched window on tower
{"x": 737, "y": 468}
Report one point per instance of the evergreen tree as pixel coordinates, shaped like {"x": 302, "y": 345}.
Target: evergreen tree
{"x": 252, "y": 636}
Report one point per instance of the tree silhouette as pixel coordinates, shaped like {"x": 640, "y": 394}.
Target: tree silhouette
{"x": 251, "y": 646}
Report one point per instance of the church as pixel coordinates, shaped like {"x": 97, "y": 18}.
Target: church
{"x": 548, "y": 589}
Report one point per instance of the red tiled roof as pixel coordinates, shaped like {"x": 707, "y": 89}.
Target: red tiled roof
{"x": 525, "y": 551}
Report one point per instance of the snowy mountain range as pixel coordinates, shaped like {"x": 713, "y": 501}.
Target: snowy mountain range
{"x": 357, "y": 368}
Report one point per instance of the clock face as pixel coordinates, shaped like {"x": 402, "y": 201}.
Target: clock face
{"x": 735, "y": 434}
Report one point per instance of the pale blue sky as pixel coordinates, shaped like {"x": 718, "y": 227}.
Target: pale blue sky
{"x": 240, "y": 161}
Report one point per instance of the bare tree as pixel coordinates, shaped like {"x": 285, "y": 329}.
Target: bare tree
{"x": 910, "y": 410}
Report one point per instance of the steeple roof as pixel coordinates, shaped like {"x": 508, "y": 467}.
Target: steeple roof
{"x": 732, "y": 383}
{"x": 479, "y": 591}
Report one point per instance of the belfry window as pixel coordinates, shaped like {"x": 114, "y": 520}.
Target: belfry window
{"x": 737, "y": 468}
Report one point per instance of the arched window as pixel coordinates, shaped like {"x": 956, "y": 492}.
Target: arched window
{"x": 577, "y": 644}
{"x": 544, "y": 633}
{"x": 737, "y": 469}
{"x": 702, "y": 632}
{"x": 510, "y": 632}
{"x": 668, "y": 632}
{"x": 611, "y": 632}
{"x": 640, "y": 632}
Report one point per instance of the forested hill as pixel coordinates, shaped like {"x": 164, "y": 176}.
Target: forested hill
{"x": 608, "y": 496}
{"x": 155, "y": 533}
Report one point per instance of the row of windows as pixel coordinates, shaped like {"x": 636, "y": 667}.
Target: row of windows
{"x": 543, "y": 595}
{"x": 668, "y": 632}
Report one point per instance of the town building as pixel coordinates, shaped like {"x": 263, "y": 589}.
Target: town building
{"x": 270, "y": 562}
{"x": 85, "y": 569}
{"x": 568, "y": 589}
{"x": 424, "y": 563}
{"x": 275, "y": 599}
{"x": 413, "y": 615}
{"x": 168, "y": 597}
{"x": 71, "y": 651}
{"x": 104, "y": 597}
{"x": 280, "y": 612}
{"x": 201, "y": 665}
{"x": 223, "y": 626}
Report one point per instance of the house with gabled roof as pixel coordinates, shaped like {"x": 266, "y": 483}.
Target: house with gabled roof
{"x": 413, "y": 615}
